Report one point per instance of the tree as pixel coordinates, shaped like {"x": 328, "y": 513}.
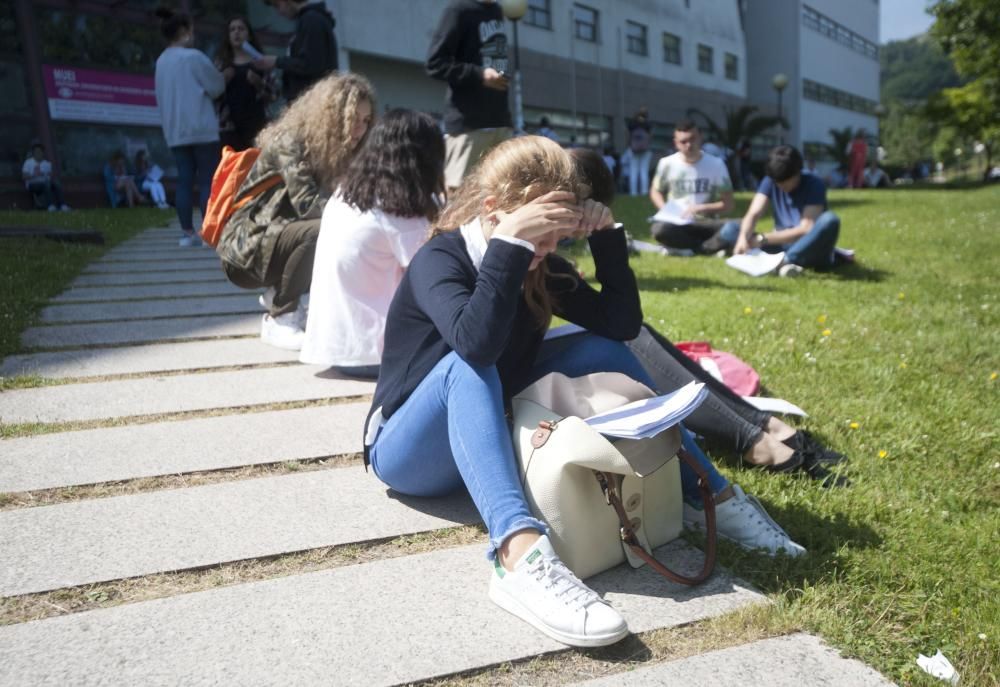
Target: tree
{"x": 838, "y": 150}
{"x": 907, "y": 134}
{"x": 967, "y": 30}
{"x": 969, "y": 110}
{"x": 914, "y": 69}
{"x": 739, "y": 123}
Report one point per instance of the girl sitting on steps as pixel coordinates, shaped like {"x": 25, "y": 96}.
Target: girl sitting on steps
{"x": 462, "y": 336}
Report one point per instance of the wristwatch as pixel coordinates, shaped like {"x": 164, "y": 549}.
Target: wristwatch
{"x": 759, "y": 239}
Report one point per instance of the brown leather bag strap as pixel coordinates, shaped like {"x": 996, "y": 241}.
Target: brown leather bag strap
{"x": 607, "y": 481}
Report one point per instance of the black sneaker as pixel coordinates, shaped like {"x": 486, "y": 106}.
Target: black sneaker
{"x": 713, "y": 245}
{"x": 805, "y": 442}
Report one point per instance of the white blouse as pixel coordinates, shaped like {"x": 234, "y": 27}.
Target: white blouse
{"x": 360, "y": 259}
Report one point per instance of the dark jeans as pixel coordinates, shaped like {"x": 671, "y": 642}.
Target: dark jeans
{"x": 290, "y": 271}
{"x": 685, "y": 236}
{"x": 46, "y": 193}
{"x": 194, "y": 163}
{"x": 814, "y": 250}
{"x": 723, "y": 418}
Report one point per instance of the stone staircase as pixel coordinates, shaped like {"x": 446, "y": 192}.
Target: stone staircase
{"x": 189, "y": 508}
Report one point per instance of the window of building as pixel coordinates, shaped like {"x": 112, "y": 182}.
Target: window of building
{"x": 732, "y": 67}
{"x": 590, "y": 130}
{"x": 671, "y": 48}
{"x": 635, "y": 35}
{"x": 539, "y": 14}
{"x": 821, "y": 93}
{"x": 585, "y": 23}
{"x": 838, "y": 32}
{"x": 705, "y": 59}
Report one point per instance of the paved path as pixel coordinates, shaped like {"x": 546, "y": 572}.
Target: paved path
{"x": 152, "y": 330}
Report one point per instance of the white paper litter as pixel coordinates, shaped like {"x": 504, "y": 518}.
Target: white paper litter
{"x": 938, "y": 666}
{"x": 650, "y": 416}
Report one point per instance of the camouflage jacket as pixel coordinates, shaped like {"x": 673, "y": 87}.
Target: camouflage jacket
{"x": 248, "y": 239}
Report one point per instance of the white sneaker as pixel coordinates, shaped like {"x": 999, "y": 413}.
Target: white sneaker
{"x": 282, "y": 331}
{"x": 543, "y": 592}
{"x": 186, "y": 241}
{"x": 65, "y": 208}
{"x": 266, "y": 299}
{"x": 790, "y": 270}
{"x": 743, "y": 520}
{"x": 53, "y": 208}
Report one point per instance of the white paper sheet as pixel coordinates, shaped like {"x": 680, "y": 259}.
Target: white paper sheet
{"x": 672, "y": 212}
{"x": 756, "y": 262}
{"x": 775, "y": 405}
{"x": 650, "y": 416}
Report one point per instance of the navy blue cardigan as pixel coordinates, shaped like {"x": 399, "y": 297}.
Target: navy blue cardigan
{"x": 443, "y": 304}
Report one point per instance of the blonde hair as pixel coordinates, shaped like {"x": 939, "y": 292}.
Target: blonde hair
{"x": 516, "y": 172}
{"x": 322, "y": 118}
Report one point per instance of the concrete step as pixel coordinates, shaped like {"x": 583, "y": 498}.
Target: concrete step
{"x": 141, "y": 331}
{"x": 120, "y": 293}
{"x": 128, "y": 452}
{"x": 79, "y": 543}
{"x": 155, "y": 395}
{"x": 381, "y": 623}
{"x": 153, "y": 255}
{"x": 790, "y": 661}
{"x": 141, "y": 310}
{"x": 150, "y": 277}
{"x": 151, "y": 358}
{"x": 175, "y": 265}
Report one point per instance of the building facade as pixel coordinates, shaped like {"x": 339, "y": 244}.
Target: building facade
{"x": 78, "y": 73}
{"x": 828, "y": 50}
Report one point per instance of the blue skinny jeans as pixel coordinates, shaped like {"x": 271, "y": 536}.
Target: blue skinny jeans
{"x": 194, "y": 163}
{"x": 425, "y": 450}
{"x": 815, "y": 249}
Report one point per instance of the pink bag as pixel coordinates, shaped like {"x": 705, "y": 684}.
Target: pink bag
{"x": 725, "y": 367}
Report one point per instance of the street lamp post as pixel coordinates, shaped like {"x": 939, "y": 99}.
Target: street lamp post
{"x": 514, "y": 10}
{"x": 778, "y": 83}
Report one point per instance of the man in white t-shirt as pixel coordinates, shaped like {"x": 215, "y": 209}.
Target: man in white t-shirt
{"x": 690, "y": 189}
{"x": 37, "y": 175}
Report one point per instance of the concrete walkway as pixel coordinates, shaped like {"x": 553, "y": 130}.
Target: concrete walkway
{"x": 158, "y": 356}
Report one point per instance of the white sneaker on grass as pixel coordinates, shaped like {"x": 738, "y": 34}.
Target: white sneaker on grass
{"x": 282, "y": 331}
{"x": 790, "y": 270}
{"x": 543, "y": 592}
{"x": 743, "y": 520}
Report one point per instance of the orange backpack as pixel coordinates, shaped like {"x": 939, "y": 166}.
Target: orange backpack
{"x": 233, "y": 169}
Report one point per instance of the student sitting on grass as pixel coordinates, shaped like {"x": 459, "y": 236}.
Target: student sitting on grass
{"x": 463, "y": 335}
{"x": 371, "y": 229}
{"x": 804, "y": 228}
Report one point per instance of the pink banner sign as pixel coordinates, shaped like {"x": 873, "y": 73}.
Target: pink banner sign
{"x": 86, "y": 95}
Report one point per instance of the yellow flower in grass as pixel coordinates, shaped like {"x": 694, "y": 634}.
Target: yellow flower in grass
{"x": 821, "y": 319}
{"x": 902, "y": 365}
{"x": 747, "y": 310}
{"x": 900, "y": 295}
{"x": 827, "y": 332}
{"x": 883, "y": 453}
{"x": 854, "y": 425}
{"x": 994, "y": 376}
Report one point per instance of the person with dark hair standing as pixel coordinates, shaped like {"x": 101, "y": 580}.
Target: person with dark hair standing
{"x": 804, "y": 228}
{"x": 243, "y": 107}
{"x": 312, "y": 51}
{"x": 638, "y": 153}
{"x": 469, "y": 53}
{"x": 857, "y": 152}
{"x": 187, "y": 83}
{"x": 698, "y": 186}
{"x": 371, "y": 229}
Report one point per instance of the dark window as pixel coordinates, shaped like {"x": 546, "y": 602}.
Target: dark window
{"x": 635, "y": 34}
{"x": 539, "y": 14}
{"x": 585, "y": 23}
{"x": 838, "y": 32}
{"x": 811, "y": 90}
{"x": 671, "y": 48}
{"x": 732, "y": 67}
{"x": 705, "y": 59}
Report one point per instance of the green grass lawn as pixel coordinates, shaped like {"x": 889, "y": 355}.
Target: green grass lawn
{"x": 33, "y": 270}
{"x": 896, "y": 360}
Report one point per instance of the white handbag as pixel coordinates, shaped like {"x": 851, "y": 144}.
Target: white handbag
{"x": 605, "y": 501}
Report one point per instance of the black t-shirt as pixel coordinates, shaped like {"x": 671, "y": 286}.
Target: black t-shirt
{"x": 469, "y": 38}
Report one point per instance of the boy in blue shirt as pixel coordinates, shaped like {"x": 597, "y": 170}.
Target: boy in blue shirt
{"x": 803, "y": 226}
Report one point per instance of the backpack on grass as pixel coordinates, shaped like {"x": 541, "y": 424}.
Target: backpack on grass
{"x": 233, "y": 169}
